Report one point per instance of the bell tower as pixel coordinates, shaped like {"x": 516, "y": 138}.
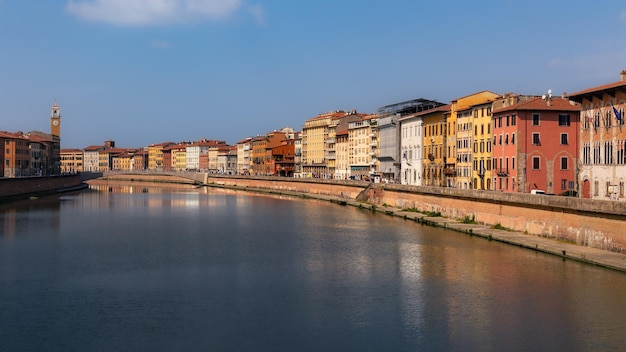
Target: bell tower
{"x": 55, "y": 120}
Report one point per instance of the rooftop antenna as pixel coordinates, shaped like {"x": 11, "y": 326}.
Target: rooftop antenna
{"x": 547, "y": 97}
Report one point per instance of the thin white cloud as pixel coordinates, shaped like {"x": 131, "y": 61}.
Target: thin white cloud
{"x": 605, "y": 65}
{"x": 160, "y": 44}
{"x": 258, "y": 13}
{"x": 152, "y": 12}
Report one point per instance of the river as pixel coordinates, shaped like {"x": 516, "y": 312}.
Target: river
{"x": 183, "y": 269}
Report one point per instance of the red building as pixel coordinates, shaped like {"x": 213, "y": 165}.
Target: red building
{"x": 535, "y": 145}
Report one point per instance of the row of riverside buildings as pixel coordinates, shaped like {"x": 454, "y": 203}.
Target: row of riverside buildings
{"x": 566, "y": 145}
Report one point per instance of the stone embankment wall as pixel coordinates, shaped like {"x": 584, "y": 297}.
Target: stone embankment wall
{"x": 593, "y": 223}
{"x": 24, "y": 187}
{"x": 597, "y": 224}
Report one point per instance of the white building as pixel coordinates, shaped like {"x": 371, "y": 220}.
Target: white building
{"x": 244, "y": 147}
{"x": 411, "y": 127}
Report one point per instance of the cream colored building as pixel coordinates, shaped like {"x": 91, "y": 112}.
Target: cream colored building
{"x": 363, "y": 147}
{"x": 244, "y": 147}
{"x": 601, "y": 171}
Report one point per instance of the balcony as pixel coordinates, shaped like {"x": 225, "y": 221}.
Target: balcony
{"x": 502, "y": 172}
{"x": 330, "y": 156}
{"x": 450, "y": 172}
{"x": 431, "y": 157}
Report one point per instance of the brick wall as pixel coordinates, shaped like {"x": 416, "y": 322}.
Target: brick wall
{"x": 26, "y": 186}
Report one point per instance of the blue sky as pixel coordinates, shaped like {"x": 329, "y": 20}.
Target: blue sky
{"x": 149, "y": 71}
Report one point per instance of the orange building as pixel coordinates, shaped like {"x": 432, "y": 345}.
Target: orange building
{"x": 283, "y": 158}
{"x": 16, "y": 154}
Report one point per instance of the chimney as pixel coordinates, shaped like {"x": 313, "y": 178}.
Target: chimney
{"x": 622, "y": 75}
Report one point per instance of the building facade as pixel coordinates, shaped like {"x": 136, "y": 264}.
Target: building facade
{"x": 71, "y": 161}
{"x": 602, "y": 168}
{"x": 535, "y": 146}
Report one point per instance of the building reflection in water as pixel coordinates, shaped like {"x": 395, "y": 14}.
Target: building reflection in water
{"x": 32, "y": 217}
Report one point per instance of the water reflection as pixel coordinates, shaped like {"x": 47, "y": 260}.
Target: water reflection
{"x": 204, "y": 269}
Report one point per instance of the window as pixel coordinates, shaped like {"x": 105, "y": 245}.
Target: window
{"x": 535, "y": 163}
{"x": 536, "y": 139}
{"x": 506, "y": 139}
{"x": 563, "y": 184}
{"x": 535, "y": 119}
{"x": 512, "y": 138}
{"x": 564, "y": 139}
{"x": 564, "y": 163}
{"x": 508, "y": 120}
{"x": 513, "y": 120}
{"x": 596, "y": 187}
{"x": 563, "y": 119}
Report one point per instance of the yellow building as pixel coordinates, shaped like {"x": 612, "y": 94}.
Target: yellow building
{"x": 465, "y": 114}
{"x": 71, "y": 161}
{"x": 179, "y": 157}
{"x": 315, "y": 139}
{"x": 434, "y": 142}
{"x": 155, "y": 155}
{"x": 123, "y": 161}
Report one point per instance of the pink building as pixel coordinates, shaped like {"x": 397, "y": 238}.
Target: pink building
{"x": 535, "y": 146}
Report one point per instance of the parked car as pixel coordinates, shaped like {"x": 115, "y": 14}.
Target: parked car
{"x": 537, "y": 191}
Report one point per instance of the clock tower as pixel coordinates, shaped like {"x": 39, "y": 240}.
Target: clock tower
{"x": 55, "y": 121}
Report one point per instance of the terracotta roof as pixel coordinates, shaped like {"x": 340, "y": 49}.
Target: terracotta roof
{"x": 601, "y": 88}
{"x": 536, "y": 104}
{"x": 114, "y": 150}
{"x": 245, "y": 140}
{"x": 71, "y": 150}
{"x": 93, "y": 147}
{"x": 36, "y": 138}
{"x": 161, "y": 144}
{"x": 482, "y": 91}
{"x": 5, "y": 134}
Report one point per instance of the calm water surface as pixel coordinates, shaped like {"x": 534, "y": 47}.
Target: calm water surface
{"x": 134, "y": 269}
